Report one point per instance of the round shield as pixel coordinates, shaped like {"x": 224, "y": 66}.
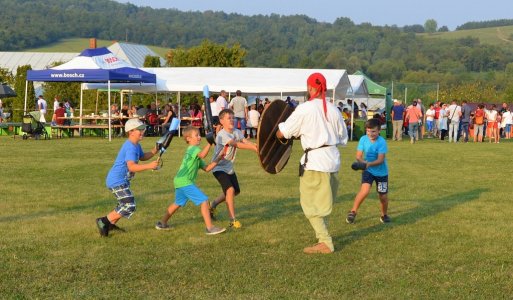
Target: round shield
{"x": 273, "y": 152}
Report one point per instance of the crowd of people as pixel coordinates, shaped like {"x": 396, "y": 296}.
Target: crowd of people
{"x": 451, "y": 121}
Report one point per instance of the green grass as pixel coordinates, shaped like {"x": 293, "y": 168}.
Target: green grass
{"x": 79, "y": 44}
{"x": 501, "y": 36}
{"x": 450, "y": 237}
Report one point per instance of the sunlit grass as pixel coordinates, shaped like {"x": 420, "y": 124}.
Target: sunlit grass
{"x": 450, "y": 236}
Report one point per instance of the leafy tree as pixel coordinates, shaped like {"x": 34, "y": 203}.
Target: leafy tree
{"x": 17, "y": 104}
{"x": 417, "y": 28}
{"x": 443, "y": 29}
{"x": 152, "y": 61}
{"x": 430, "y": 26}
{"x": 208, "y": 54}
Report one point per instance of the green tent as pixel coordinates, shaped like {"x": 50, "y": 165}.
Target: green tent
{"x": 375, "y": 90}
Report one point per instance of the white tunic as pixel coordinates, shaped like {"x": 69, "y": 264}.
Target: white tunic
{"x": 309, "y": 123}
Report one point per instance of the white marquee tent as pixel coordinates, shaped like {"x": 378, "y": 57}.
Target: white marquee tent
{"x": 264, "y": 81}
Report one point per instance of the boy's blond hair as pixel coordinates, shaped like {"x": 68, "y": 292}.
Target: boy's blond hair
{"x": 187, "y": 132}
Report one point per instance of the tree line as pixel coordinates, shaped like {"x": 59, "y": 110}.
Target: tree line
{"x": 385, "y": 53}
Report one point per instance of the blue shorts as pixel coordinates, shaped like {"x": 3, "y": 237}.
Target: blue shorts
{"x": 507, "y": 128}
{"x": 381, "y": 181}
{"x": 126, "y": 200}
{"x": 189, "y": 192}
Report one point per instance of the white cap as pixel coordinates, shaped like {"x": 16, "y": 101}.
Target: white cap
{"x": 395, "y": 101}
{"x": 134, "y": 124}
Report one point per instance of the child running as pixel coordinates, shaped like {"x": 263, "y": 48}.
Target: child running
{"x": 118, "y": 179}
{"x": 184, "y": 181}
{"x": 224, "y": 172}
{"x": 374, "y": 147}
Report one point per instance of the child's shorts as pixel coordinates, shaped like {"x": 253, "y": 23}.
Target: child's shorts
{"x": 190, "y": 192}
{"x": 126, "y": 200}
{"x": 507, "y": 129}
{"x": 381, "y": 181}
{"x": 227, "y": 181}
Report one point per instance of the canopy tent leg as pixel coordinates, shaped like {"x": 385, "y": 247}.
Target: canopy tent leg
{"x": 110, "y": 112}
{"x": 81, "y": 104}
{"x": 26, "y": 91}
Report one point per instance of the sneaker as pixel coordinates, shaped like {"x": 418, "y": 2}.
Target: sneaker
{"x": 318, "y": 248}
{"x": 385, "y": 219}
{"x": 214, "y": 230}
{"x": 235, "y": 224}
{"x": 213, "y": 213}
{"x": 350, "y": 217}
{"x": 102, "y": 227}
{"x": 160, "y": 226}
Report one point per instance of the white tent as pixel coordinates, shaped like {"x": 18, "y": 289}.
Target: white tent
{"x": 267, "y": 81}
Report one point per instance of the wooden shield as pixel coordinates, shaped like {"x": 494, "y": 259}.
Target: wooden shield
{"x": 273, "y": 152}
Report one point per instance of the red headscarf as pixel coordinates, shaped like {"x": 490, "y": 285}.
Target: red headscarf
{"x": 317, "y": 81}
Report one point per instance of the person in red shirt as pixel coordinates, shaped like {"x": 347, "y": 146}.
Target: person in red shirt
{"x": 413, "y": 115}
{"x": 437, "y": 109}
{"x": 60, "y": 113}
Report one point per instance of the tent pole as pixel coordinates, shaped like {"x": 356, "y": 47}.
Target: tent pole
{"x": 110, "y": 126}
{"x": 26, "y": 91}
{"x": 81, "y": 103}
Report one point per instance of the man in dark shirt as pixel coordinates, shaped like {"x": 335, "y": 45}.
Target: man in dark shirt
{"x": 397, "y": 120}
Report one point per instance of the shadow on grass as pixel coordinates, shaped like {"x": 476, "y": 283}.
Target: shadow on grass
{"x": 425, "y": 209}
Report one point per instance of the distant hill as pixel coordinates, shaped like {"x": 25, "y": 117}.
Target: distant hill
{"x": 79, "y": 44}
{"x": 499, "y": 36}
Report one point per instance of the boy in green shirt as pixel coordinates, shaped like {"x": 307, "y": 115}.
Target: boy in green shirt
{"x": 184, "y": 182}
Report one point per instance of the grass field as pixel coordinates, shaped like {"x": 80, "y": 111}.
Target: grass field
{"x": 79, "y": 44}
{"x": 450, "y": 236}
{"x": 501, "y": 36}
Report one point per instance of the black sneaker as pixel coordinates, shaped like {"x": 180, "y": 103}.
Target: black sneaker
{"x": 350, "y": 217}
{"x": 385, "y": 219}
{"x": 102, "y": 227}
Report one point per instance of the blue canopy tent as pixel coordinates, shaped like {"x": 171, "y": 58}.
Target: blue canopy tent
{"x": 92, "y": 65}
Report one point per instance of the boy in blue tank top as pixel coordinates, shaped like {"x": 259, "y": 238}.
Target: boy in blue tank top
{"x": 374, "y": 147}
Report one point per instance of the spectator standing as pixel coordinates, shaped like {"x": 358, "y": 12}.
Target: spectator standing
{"x": 507, "y": 120}
{"x": 454, "y": 117}
{"x": 465, "y": 120}
{"x": 55, "y": 107}
{"x": 253, "y": 119}
{"x": 479, "y": 119}
{"x": 421, "y": 123}
{"x": 42, "y": 106}
{"x": 430, "y": 120}
{"x": 60, "y": 112}
{"x": 442, "y": 121}
{"x": 413, "y": 115}
{"x": 437, "y": 109}
{"x": 239, "y": 105}
{"x": 491, "y": 123}
{"x": 398, "y": 112}
{"x": 221, "y": 101}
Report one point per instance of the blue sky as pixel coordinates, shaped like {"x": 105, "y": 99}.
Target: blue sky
{"x": 450, "y": 13}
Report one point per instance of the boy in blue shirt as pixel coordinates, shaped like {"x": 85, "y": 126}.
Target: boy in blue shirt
{"x": 184, "y": 181}
{"x": 118, "y": 179}
{"x": 374, "y": 147}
